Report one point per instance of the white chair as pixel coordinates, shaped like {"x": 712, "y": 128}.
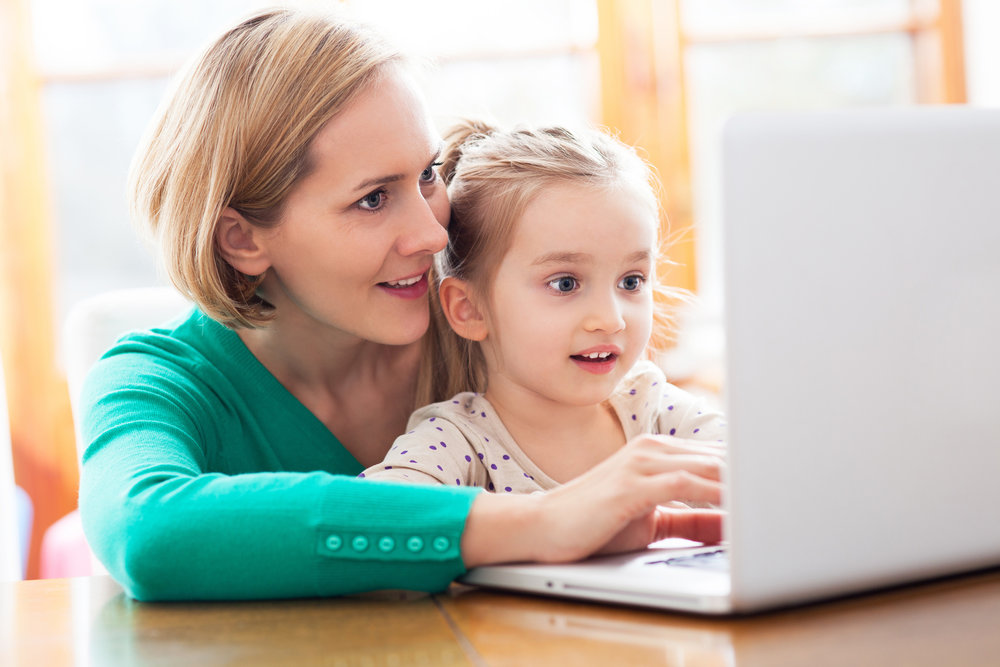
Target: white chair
{"x": 94, "y": 324}
{"x": 92, "y": 327}
{"x": 11, "y": 547}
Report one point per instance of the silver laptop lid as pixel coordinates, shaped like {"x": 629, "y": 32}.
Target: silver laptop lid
{"x": 862, "y": 253}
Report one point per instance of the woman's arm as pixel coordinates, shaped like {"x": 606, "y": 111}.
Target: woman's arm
{"x": 180, "y": 497}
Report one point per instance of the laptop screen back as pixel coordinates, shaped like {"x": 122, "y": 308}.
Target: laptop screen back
{"x": 862, "y": 254}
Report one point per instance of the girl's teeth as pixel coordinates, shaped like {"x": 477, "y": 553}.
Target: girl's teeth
{"x": 598, "y": 355}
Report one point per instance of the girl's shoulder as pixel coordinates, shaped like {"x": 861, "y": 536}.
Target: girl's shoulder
{"x": 643, "y": 378}
{"x": 460, "y": 408}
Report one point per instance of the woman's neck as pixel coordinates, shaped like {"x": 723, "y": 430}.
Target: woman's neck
{"x": 362, "y": 391}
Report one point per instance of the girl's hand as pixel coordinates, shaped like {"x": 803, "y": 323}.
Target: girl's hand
{"x": 616, "y": 506}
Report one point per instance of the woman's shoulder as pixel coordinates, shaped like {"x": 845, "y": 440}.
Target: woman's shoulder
{"x": 188, "y": 335}
{"x": 189, "y": 350}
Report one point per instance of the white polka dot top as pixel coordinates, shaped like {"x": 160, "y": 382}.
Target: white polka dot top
{"x": 463, "y": 442}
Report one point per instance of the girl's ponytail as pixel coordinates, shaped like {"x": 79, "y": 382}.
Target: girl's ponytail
{"x": 456, "y": 139}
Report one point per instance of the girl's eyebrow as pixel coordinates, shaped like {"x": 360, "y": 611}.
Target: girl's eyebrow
{"x": 563, "y": 258}
{"x": 639, "y": 256}
{"x": 582, "y": 258}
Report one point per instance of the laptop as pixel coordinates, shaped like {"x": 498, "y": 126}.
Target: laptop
{"x": 862, "y": 261}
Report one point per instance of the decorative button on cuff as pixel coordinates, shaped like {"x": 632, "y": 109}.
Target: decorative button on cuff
{"x": 359, "y": 543}
{"x": 334, "y": 542}
{"x": 441, "y": 544}
{"x": 415, "y": 544}
{"x": 386, "y": 544}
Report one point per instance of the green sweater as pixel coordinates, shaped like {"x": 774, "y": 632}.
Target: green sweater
{"x": 204, "y": 478}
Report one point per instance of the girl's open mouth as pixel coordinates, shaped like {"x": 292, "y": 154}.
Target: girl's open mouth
{"x": 596, "y": 362}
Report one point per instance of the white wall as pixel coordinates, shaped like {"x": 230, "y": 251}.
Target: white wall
{"x": 982, "y": 51}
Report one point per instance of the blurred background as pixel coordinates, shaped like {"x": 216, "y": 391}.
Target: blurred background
{"x": 80, "y": 79}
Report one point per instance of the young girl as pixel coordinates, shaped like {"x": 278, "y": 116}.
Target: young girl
{"x": 548, "y": 287}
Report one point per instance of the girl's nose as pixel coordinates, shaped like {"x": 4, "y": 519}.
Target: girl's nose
{"x": 604, "y": 314}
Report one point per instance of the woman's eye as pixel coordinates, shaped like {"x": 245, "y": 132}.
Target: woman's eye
{"x": 631, "y": 283}
{"x": 372, "y": 201}
{"x": 429, "y": 175}
{"x": 564, "y": 284}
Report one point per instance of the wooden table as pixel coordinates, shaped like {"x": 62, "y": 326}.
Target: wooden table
{"x": 90, "y": 621}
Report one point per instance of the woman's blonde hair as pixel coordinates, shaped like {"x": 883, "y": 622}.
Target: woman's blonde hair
{"x": 236, "y": 132}
{"x": 492, "y": 176}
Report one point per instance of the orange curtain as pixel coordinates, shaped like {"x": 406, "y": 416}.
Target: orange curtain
{"x": 38, "y": 402}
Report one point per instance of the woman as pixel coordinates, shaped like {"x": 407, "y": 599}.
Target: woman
{"x": 290, "y": 181}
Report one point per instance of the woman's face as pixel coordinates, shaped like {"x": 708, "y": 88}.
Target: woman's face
{"x": 354, "y": 244}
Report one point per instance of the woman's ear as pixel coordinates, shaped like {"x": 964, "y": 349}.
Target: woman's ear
{"x": 238, "y": 243}
{"x": 460, "y": 308}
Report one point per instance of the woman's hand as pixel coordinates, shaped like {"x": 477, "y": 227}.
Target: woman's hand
{"x": 616, "y": 506}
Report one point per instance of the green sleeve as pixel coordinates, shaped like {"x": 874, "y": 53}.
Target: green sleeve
{"x": 169, "y": 526}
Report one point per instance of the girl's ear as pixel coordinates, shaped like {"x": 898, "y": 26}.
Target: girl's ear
{"x": 238, "y": 243}
{"x": 460, "y": 308}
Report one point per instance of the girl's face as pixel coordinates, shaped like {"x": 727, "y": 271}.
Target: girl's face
{"x": 355, "y": 241}
{"x": 571, "y": 306}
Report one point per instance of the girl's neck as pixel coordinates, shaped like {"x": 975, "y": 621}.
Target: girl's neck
{"x": 563, "y": 440}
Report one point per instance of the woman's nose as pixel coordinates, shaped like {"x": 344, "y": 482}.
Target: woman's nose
{"x": 422, "y": 233}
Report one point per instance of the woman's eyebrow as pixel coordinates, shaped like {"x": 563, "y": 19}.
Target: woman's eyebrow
{"x": 379, "y": 180}
{"x": 392, "y": 178}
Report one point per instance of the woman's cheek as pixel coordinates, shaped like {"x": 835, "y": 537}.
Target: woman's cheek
{"x": 440, "y": 206}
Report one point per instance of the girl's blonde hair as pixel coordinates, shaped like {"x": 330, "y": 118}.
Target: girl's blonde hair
{"x": 236, "y": 132}
{"x": 492, "y": 176}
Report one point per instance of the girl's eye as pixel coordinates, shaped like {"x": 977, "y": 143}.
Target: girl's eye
{"x": 429, "y": 175}
{"x": 564, "y": 284}
{"x": 372, "y": 201}
{"x": 631, "y": 283}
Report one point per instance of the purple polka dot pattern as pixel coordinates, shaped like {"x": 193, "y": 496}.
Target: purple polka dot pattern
{"x": 479, "y": 455}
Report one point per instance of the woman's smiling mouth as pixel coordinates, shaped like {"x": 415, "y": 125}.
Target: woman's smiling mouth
{"x": 413, "y": 287}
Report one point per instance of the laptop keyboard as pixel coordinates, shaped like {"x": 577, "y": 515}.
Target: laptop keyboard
{"x": 707, "y": 560}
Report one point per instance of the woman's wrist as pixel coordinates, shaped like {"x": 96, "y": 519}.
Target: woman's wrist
{"x": 502, "y": 529}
